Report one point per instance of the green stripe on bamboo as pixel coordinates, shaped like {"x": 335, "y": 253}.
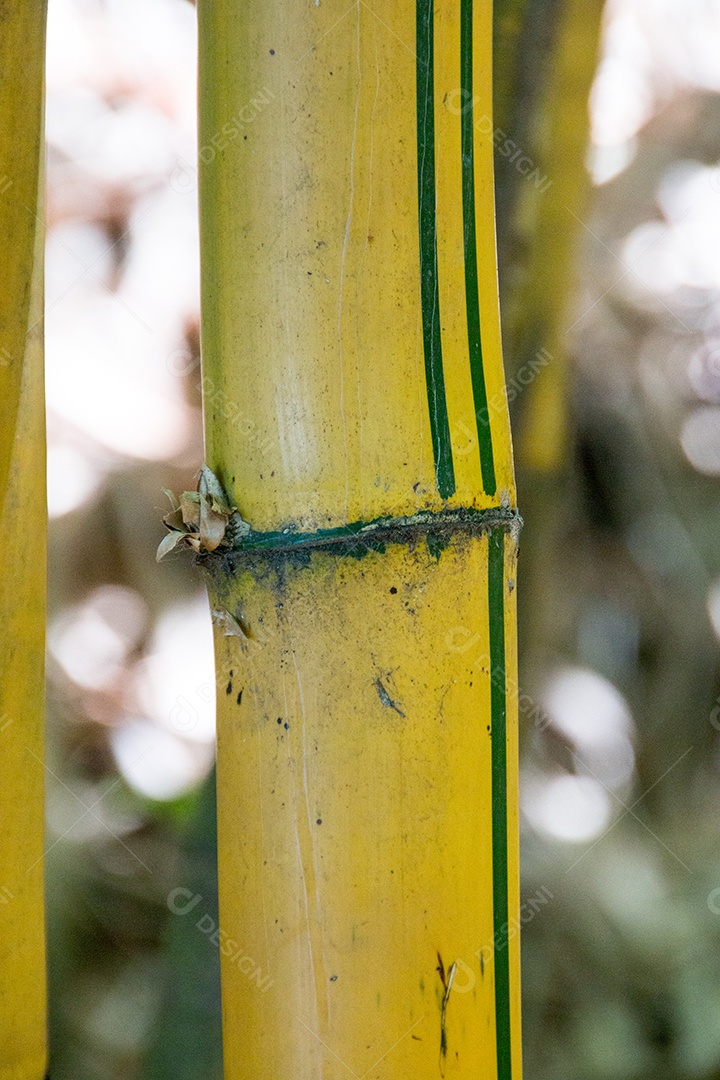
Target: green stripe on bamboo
{"x": 498, "y": 711}
{"x": 429, "y": 285}
{"x": 485, "y": 448}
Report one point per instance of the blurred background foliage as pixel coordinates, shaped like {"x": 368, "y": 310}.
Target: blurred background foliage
{"x": 609, "y": 245}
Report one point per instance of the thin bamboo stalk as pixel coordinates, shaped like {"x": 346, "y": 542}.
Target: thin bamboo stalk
{"x": 365, "y": 628}
{"x": 543, "y": 302}
{"x": 23, "y": 527}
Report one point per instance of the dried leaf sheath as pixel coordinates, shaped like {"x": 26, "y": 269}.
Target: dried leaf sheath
{"x": 202, "y": 520}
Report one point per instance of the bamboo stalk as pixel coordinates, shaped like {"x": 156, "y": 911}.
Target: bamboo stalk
{"x": 23, "y": 528}
{"x": 542, "y": 302}
{"x": 365, "y": 628}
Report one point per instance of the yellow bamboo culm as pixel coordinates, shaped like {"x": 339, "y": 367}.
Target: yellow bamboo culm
{"x": 365, "y": 628}
{"x": 544, "y": 302}
{"x": 23, "y": 529}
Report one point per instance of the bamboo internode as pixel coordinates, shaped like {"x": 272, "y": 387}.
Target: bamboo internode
{"x": 365, "y": 629}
